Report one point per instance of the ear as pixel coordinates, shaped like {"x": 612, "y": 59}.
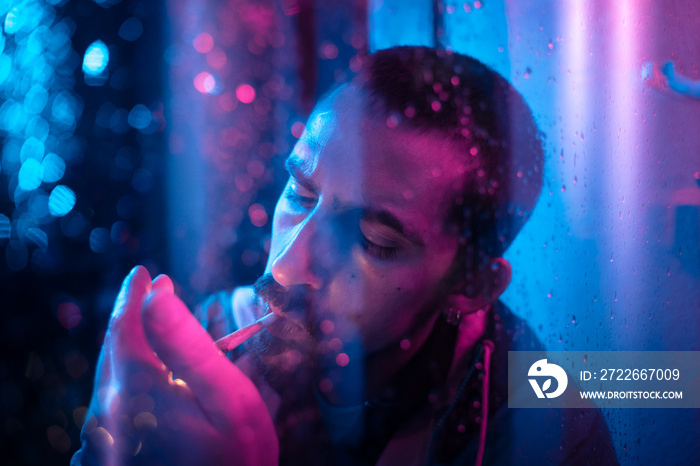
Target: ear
{"x": 498, "y": 276}
{"x": 502, "y": 272}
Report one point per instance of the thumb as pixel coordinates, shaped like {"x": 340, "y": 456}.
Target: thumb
{"x": 222, "y": 390}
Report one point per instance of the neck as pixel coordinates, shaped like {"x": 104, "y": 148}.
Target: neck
{"x": 370, "y": 378}
{"x": 383, "y": 366}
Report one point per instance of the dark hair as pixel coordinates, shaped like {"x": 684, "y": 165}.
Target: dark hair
{"x": 463, "y": 99}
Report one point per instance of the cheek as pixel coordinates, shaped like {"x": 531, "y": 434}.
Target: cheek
{"x": 409, "y": 289}
{"x": 368, "y": 290}
{"x": 398, "y": 308}
{"x": 400, "y": 294}
{"x": 394, "y": 298}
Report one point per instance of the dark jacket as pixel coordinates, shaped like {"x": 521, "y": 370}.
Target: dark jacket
{"x": 434, "y": 413}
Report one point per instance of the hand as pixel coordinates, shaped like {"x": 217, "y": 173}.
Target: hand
{"x": 211, "y": 413}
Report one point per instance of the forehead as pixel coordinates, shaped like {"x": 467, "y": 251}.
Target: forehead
{"x": 361, "y": 157}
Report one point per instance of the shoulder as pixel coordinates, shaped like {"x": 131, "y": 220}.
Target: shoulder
{"x": 542, "y": 436}
{"x": 513, "y": 332}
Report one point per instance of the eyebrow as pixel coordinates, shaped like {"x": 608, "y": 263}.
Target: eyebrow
{"x": 295, "y": 167}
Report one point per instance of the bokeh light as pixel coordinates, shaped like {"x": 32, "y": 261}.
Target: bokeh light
{"x": 61, "y": 201}
{"x": 31, "y": 175}
{"x": 245, "y": 93}
{"x": 54, "y": 167}
{"x": 140, "y": 117}
{"x": 5, "y": 227}
{"x": 203, "y": 43}
{"x": 96, "y": 58}
{"x": 258, "y": 215}
{"x": 38, "y": 116}
{"x": 99, "y": 240}
{"x": 131, "y": 29}
{"x": 205, "y": 83}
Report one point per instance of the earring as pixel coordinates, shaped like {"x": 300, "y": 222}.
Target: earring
{"x": 454, "y": 315}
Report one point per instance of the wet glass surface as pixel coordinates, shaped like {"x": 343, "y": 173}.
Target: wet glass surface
{"x": 156, "y": 133}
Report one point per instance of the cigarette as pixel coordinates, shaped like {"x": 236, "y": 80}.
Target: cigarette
{"x": 235, "y": 339}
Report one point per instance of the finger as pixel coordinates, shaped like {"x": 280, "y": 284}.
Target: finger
{"x": 132, "y": 293}
{"x": 164, "y": 283}
{"x": 123, "y": 343}
{"x": 221, "y": 389}
{"x": 126, "y": 341}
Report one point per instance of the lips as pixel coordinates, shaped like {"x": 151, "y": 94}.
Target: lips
{"x": 288, "y": 330}
{"x": 286, "y": 327}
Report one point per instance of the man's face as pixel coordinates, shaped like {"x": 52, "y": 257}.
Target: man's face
{"x": 360, "y": 229}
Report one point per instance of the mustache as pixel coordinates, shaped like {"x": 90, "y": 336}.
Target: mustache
{"x": 285, "y": 299}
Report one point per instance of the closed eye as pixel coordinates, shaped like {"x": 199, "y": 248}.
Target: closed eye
{"x": 380, "y": 252}
{"x": 379, "y": 240}
{"x": 299, "y": 196}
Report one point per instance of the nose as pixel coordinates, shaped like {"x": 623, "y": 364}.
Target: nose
{"x": 297, "y": 264}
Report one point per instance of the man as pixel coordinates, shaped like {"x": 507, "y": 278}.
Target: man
{"x": 385, "y": 270}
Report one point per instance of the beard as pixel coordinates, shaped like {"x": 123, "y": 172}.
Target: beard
{"x": 287, "y": 365}
{"x": 290, "y": 366}
{"x": 294, "y": 355}
{"x": 283, "y": 364}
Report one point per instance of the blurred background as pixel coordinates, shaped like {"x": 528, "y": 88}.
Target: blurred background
{"x": 154, "y": 132}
